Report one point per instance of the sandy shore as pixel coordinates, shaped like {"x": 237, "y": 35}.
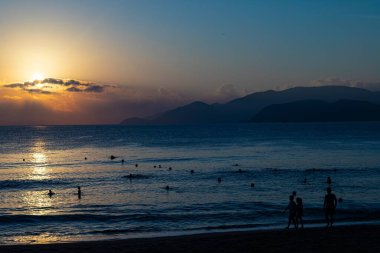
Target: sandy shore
{"x": 363, "y": 238}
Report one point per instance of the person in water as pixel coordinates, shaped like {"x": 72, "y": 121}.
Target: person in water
{"x": 329, "y": 206}
{"x": 299, "y": 212}
{"x": 292, "y": 211}
{"x": 79, "y": 192}
{"x": 50, "y": 193}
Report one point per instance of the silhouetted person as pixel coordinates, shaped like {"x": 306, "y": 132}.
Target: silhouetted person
{"x": 130, "y": 176}
{"x": 192, "y": 171}
{"x": 299, "y": 212}
{"x": 252, "y": 185}
{"x": 154, "y": 166}
{"x": 329, "y": 181}
{"x": 50, "y": 193}
{"x": 85, "y": 158}
{"x": 292, "y": 211}
{"x": 122, "y": 161}
{"x": 329, "y": 205}
{"x": 159, "y": 166}
{"x": 136, "y": 165}
{"x": 79, "y": 193}
{"x": 167, "y": 188}
{"x": 112, "y": 157}
{"x": 219, "y": 179}
{"x": 23, "y": 160}
{"x": 170, "y": 168}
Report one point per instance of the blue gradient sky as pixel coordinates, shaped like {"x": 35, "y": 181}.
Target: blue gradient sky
{"x": 193, "y": 47}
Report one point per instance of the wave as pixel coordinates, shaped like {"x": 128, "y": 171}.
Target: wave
{"x": 208, "y": 216}
{"x": 136, "y": 176}
{"x": 28, "y": 184}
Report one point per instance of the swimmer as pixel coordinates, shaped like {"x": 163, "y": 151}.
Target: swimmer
{"x": 79, "y": 192}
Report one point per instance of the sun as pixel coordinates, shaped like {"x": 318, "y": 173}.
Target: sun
{"x": 37, "y": 76}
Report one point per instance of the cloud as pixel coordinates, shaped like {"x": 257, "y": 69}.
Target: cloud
{"x": 54, "y": 84}
{"x": 15, "y": 85}
{"x": 347, "y": 82}
{"x": 94, "y": 88}
{"x": 75, "y": 83}
{"x": 53, "y": 81}
{"x": 91, "y": 88}
{"x": 73, "y": 89}
{"x": 39, "y": 91}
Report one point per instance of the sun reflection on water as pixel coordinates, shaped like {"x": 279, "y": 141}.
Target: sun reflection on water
{"x": 38, "y": 202}
{"x": 42, "y": 238}
{"x": 39, "y": 160}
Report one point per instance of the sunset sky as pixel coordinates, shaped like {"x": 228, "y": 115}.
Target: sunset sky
{"x": 97, "y": 62}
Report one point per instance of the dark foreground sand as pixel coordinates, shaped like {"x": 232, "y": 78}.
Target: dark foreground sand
{"x": 363, "y": 238}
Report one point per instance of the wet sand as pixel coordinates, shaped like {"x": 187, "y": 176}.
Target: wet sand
{"x": 360, "y": 238}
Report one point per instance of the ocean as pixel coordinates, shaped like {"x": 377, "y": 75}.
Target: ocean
{"x": 276, "y": 158}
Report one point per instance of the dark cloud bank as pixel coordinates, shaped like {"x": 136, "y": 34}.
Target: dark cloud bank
{"x": 72, "y": 86}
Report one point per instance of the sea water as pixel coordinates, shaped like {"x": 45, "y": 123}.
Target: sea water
{"x": 276, "y": 158}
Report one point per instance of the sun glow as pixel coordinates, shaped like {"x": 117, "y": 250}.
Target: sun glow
{"x": 37, "y": 76}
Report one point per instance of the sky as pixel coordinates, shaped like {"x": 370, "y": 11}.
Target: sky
{"x": 98, "y": 62}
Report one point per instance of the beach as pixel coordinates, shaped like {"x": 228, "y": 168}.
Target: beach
{"x": 358, "y": 238}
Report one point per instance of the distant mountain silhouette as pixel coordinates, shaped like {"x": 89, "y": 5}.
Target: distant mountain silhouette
{"x": 319, "y": 111}
{"x": 243, "y": 109}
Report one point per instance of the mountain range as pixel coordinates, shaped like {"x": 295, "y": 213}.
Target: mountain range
{"x": 294, "y": 104}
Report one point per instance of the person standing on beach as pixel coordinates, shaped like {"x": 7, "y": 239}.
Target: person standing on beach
{"x": 292, "y": 211}
{"x": 329, "y": 206}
